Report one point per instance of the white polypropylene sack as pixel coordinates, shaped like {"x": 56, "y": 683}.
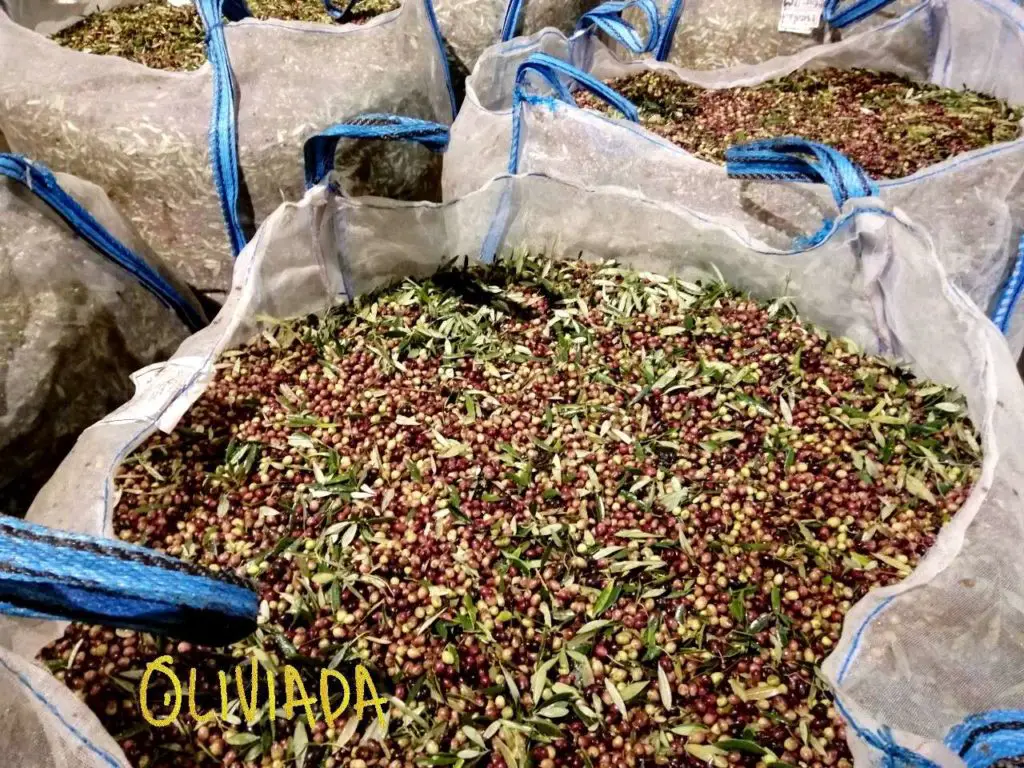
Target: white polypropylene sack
{"x": 972, "y": 204}
{"x": 918, "y": 657}
{"x": 142, "y": 134}
{"x": 74, "y": 326}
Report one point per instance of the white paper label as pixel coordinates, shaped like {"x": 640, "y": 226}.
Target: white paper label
{"x": 800, "y": 16}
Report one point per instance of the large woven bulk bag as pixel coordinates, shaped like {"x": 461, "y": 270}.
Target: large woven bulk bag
{"x": 714, "y": 34}
{"x": 83, "y": 304}
{"x": 197, "y": 159}
{"x": 904, "y": 679}
{"x": 972, "y": 204}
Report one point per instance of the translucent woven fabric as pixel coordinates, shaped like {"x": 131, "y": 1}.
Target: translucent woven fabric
{"x": 712, "y": 34}
{"x": 73, "y": 328}
{"x": 45, "y": 723}
{"x": 143, "y": 134}
{"x": 973, "y": 204}
{"x": 470, "y": 26}
{"x": 49, "y": 16}
{"x": 908, "y": 668}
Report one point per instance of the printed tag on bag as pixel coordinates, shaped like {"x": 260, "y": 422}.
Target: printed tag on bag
{"x": 801, "y": 16}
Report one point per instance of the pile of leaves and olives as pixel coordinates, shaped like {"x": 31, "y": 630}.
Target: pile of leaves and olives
{"x": 567, "y": 514}
{"x": 164, "y": 36}
{"x": 889, "y": 125}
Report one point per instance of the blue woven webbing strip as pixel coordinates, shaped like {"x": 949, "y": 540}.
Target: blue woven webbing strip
{"x": 223, "y": 133}
{"x": 784, "y": 159}
{"x": 54, "y": 573}
{"x": 510, "y": 22}
{"x": 319, "y": 149}
{"x": 607, "y": 17}
{"x": 668, "y": 29}
{"x": 340, "y": 15}
{"x": 838, "y": 17}
{"x": 1009, "y": 297}
{"x": 795, "y": 159}
{"x": 986, "y": 738}
{"x": 43, "y": 184}
{"x": 553, "y": 70}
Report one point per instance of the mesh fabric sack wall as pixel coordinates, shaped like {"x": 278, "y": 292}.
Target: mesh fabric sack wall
{"x": 900, "y": 670}
{"x": 196, "y": 158}
{"x": 972, "y": 204}
{"x": 77, "y": 319}
{"x": 470, "y": 26}
{"x": 713, "y": 34}
{"x": 49, "y": 16}
{"x": 40, "y": 710}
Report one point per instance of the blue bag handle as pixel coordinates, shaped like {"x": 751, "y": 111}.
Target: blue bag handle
{"x": 838, "y": 18}
{"x": 340, "y": 15}
{"x": 336, "y": 13}
{"x": 45, "y": 573}
{"x": 668, "y": 29}
{"x": 552, "y": 70}
{"x": 223, "y": 135}
{"x": 1009, "y": 297}
{"x": 986, "y": 738}
{"x": 786, "y": 159}
{"x": 236, "y": 10}
{"x": 834, "y": 16}
{"x": 607, "y": 17}
{"x": 40, "y": 181}
{"x": 510, "y": 23}
{"x": 319, "y": 149}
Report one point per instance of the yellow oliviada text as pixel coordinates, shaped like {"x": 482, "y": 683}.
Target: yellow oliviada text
{"x": 294, "y": 694}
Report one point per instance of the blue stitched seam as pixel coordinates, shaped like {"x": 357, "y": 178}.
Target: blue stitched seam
{"x": 1003, "y": 13}
{"x": 884, "y": 742}
{"x": 855, "y": 645}
{"x": 439, "y": 40}
{"x": 927, "y": 173}
{"x": 101, "y": 753}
